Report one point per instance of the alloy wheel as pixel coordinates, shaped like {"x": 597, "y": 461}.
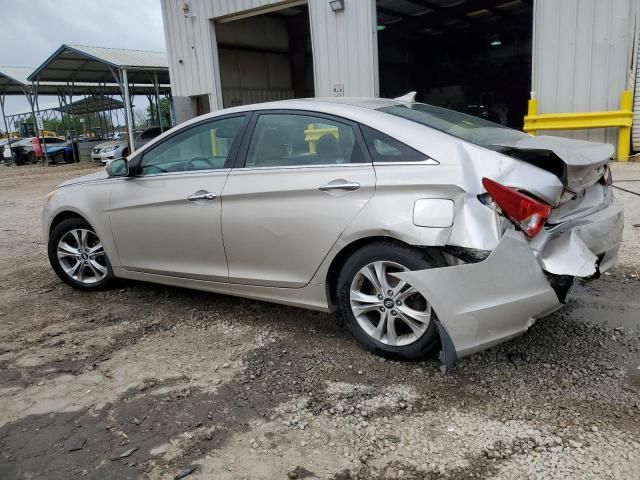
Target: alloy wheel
{"x": 81, "y": 256}
{"x": 388, "y": 309}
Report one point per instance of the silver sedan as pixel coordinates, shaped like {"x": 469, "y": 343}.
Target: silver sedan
{"x": 421, "y": 225}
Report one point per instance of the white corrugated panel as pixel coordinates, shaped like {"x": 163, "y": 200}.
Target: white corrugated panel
{"x": 345, "y": 48}
{"x": 190, "y": 37}
{"x": 635, "y": 128}
{"x": 344, "y": 45}
{"x": 581, "y": 58}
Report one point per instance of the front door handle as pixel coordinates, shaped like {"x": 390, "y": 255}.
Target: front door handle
{"x": 201, "y": 195}
{"x": 339, "y": 185}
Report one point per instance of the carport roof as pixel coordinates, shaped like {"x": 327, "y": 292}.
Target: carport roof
{"x": 79, "y": 63}
{"x": 14, "y": 81}
{"x": 92, "y": 104}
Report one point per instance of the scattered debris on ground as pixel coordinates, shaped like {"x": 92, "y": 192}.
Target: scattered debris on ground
{"x": 147, "y": 381}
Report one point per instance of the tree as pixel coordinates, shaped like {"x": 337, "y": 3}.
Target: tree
{"x": 165, "y": 112}
{"x": 72, "y": 124}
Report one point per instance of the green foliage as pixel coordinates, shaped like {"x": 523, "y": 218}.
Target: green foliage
{"x": 93, "y": 120}
{"x": 165, "y": 109}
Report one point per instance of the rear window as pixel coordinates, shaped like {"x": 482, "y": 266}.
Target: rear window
{"x": 383, "y": 148}
{"x": 466, "y": 127}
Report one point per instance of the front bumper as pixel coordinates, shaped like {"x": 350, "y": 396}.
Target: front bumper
{"x": 106, "y": 157}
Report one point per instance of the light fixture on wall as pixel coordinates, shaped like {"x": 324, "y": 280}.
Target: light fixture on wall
{"x": 185, "y": 10}
{"x": 336, "y": 5}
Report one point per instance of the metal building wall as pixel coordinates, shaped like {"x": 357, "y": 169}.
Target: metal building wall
{"x": 344, "y": 47}
{"x": 582, "y": 56}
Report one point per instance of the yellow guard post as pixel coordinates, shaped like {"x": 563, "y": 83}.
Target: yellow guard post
{"x": 622, "y": 119}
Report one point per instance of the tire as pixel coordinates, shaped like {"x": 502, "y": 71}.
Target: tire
{"x": 69, "y": 236}
{"x": 31, "y": 158}
{"x": 400, "y": 342}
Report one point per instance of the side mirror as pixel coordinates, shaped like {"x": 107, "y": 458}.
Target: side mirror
{"x": 118, "y": 168}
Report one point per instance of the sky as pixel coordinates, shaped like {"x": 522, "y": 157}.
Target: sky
{"x": 33, "y": 29}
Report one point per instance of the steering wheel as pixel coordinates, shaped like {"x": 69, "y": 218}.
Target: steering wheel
{"x": 207, "y": 161}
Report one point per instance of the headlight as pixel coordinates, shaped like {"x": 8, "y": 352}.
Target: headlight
{"x": 110, "y": 149}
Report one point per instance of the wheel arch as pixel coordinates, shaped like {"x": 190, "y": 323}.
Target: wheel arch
{"x": 341, "y": 257}
{"x": 65, "y": 215}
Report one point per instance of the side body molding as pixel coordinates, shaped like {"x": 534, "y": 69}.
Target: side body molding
{"x": 482, "y": 304}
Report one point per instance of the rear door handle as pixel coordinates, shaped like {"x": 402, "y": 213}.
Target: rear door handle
{"x": 201, "y": 195}
{"x": 339, "y": 185}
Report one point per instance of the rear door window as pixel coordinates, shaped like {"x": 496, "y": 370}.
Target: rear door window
{"x": 288, "y": 139}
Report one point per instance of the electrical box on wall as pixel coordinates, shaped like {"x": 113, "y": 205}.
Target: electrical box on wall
{"x": 338, "y": 90}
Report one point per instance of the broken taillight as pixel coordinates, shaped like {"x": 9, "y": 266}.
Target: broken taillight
{"x": 526, "y": 212}
{"x": 607, "y": 178}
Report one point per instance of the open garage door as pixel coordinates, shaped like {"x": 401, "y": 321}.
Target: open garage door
{"x": 473, "y": 56}
{"x": 265, "y": 57}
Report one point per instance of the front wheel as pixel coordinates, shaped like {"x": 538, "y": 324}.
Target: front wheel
{"x": 78, "y": 257}
{"x": 387, "y": 315}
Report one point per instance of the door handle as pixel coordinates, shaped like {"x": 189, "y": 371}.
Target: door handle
{"x": 201, "y": 195}
{"x": 339, "y": 185}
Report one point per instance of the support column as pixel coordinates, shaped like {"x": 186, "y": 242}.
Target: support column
{"x": 6, "y": 127}
{"x": 156, "y": 88}
{"x": 127, "y": 109}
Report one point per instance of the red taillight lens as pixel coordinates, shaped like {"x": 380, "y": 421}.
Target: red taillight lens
{"x": 529, "y": 214}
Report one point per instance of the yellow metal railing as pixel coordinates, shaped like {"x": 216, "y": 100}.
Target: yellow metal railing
{"x": 622, "y": 119}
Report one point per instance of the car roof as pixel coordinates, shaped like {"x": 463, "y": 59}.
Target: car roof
{"x": 364, "y": 110}
{"x": 324, "y": 103}
{"x": 354, "y": 108}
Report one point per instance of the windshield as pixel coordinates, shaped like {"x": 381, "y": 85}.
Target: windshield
{"x": 469, "y": 128}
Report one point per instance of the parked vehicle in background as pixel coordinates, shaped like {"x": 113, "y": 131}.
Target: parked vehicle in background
{"x": 118, "y": 135}
{"x": 19, "y": 154}
{"x": 58, "y": 150}
{"x": 107, "y": 151}
{"x": 7, "y": 151}
{"x": 422, "y": 225}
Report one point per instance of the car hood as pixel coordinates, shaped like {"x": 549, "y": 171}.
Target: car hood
{"x": 92, "y": 177}
{"x": 110, "y": 143}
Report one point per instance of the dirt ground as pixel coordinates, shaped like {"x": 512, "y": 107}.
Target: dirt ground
{"x": 146, "y": 381}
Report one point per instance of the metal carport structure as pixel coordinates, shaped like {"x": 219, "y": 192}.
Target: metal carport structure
{"x": 13, "y": 81}
{"x": 72, "y": 64}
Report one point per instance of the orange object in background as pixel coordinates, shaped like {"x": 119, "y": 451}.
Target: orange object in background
{"x": 37, "y": 148}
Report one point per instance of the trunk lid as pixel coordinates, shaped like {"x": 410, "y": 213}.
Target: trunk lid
{"x": 577, "y": 163}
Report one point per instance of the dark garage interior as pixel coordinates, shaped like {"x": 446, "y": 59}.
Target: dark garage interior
{"x": 266, "y": 57}
{"x": 473, "y": 56}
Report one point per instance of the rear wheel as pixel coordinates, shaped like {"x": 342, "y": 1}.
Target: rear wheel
{"x": 31, "y": 157}
{"x": 78, "y": 257}
{"x": 386, "y": 314}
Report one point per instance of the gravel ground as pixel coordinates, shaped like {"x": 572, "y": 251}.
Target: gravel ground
{"x": 146, "y": 381}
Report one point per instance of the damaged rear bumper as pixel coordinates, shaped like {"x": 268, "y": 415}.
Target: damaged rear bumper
{"x": 486, "y": 303}
{"x": 584, "y": 246}
{"x": 482, "y": 304}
